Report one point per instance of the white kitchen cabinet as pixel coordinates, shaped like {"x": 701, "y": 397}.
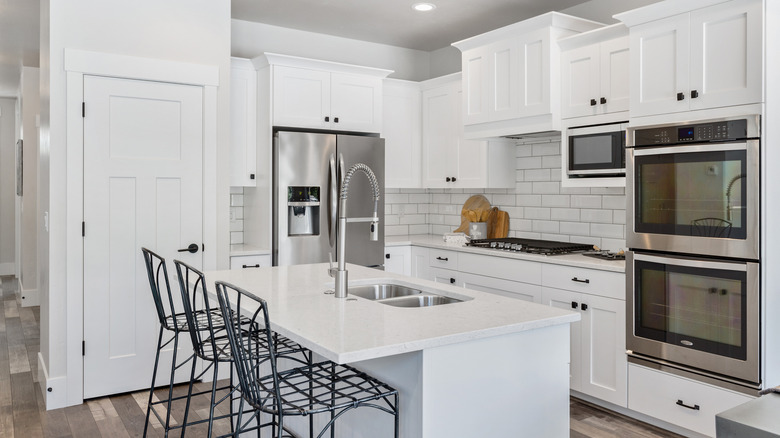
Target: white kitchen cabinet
{"x": 420, "y": 262}
{"x": 325, "y": 95}
{"x": 498, "y": 286}
{"x": 441, "y": 275}
{"x": 402, "y": 131}
{"x": 706, "y": 58}
{"x": 598, "y": 349}
{"x": 250, "y": 261}
{"x": 451, "y": 161}
{"x": 595, "y": 72}
{"x": 243, "y": 123}
{"x": 398, "y": 259}
{"x": 511, "y": 76}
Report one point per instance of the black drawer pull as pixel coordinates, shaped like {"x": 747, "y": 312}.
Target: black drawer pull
{"x": 694, "y": 94}
{"x": 680, "y": 96}
{"x": 444, "y": 259}
{"x": 250, "y": 266}
{"x": 574, "y": 304}
{"x": 580, "y": 281}
{"x": 448, "y": 179}
{"x": 593, "y": 102}
{"x": 452, "y": 281}
{"x": 387, "y": 256}
{"x": 584, "y": 306}
{"x": 694, "y": 407}
{"x": 327, "y": 119}
{"x": 603, "y": 100}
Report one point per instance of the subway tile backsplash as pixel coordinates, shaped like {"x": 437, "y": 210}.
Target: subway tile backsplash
{"x": 538, "y": 207}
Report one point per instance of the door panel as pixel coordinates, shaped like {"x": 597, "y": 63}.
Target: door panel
{"x": 301, "y": 97}
{"x": 563, "y": 300}
{"x": 143, "y": 183}
{"x": 604, "y": 358}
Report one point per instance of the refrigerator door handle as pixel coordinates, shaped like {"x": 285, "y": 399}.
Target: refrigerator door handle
{"x": 333, "y": 204}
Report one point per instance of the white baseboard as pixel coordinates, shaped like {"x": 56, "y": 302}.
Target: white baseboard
{"x": 30, "y": 297}
{"x": 8, "y": 269}
{"x": 54, "y": 390}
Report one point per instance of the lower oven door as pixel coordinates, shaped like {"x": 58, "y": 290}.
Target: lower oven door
{"x": 700, "y": 314}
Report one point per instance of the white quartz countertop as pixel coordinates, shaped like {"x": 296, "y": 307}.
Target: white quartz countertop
{"x": 578, "y": 260}
{"x": 355, "y": 329}
{"x": 241, "y": 249}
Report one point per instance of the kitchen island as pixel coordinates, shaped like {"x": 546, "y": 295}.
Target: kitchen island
{"x": 486, "y": 366}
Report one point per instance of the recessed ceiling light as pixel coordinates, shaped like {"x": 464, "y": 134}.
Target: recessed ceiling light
{"x": 423, "y": 7}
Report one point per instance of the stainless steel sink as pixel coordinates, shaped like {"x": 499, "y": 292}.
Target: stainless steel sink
{"x": 382, "y": 291}
{"x": 420, "y": 301}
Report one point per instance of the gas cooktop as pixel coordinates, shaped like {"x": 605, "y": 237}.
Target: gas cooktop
{"x": 531, "y": 246}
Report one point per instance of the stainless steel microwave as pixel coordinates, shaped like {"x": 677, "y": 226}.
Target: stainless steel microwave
{"x": 596, "y": 151}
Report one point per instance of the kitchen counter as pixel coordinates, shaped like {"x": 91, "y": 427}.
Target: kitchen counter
{"x": 240, "y": 249}
{"x": 577, "y": 260}
{"x": 509, "y": 356}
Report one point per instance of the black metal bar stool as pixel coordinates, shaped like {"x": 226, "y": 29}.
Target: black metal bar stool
{"x": 324, "y": 387}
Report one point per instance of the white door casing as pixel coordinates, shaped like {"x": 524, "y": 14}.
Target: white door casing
{"x": 143, "y": 186}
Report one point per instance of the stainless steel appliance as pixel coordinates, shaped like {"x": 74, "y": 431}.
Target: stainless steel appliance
{"x": 531, "y": 246}
{"x": 596, "y": 151}
{"x": 693, "y": 188}
{"x": 306, "y": 193}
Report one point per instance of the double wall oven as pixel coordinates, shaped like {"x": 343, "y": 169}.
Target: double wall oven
{"x": 693, "y": 266}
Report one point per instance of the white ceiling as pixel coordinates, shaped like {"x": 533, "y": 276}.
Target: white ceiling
{"x": 391, "y": 22}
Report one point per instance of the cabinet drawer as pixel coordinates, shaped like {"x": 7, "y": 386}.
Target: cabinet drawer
{"x": 439, "y": 258}
{"x": 498, "y": 286}
{"x": 589, "y": 281}
{"x": 250, "y": 261}
{"x": 500, "y": 267}
{"x": 660, "y": 395}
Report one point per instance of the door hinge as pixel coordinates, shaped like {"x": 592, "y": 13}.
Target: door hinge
{"x": 83, "y": 348}
{"x": 83, "y": 109}
{"x": 83, "y": 229}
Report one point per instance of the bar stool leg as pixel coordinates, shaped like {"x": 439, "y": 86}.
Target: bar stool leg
{"x": 189, "y": 395}
{"x": 154, "y": 378}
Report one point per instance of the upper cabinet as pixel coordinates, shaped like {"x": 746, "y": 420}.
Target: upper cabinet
{"x": 595, "y": 72}
{"x": 402, "y": 131}
{"x": 511, "y": 76}
{"x": 243, "y": 123}
{"x": 325, "y": 95}
{"x": 684, "y": 60}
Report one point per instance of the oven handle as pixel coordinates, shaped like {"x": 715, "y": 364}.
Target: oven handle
{"x": 710, "y": 147}
{"x": 738, "y": 267}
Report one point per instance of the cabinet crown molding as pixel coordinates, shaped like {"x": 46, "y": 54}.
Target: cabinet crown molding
{"x": 663, "y": 9}
{"x": 594, "y": 36}
{"x": 316, "y": 64}
{"x": 550, "y": 19}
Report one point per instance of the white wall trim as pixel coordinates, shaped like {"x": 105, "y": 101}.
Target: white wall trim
{"x": 7, "y": 268}
{"x": 79, "y": 63}
{"x": 30, "y": 297}
{"x": 57, "y": 395}
{"x": 134, "y": 67}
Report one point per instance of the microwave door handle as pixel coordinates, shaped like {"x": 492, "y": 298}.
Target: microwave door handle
{"x": 739, "y": 267}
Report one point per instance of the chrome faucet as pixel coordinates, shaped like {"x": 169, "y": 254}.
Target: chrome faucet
{"x": 340, "y": 274}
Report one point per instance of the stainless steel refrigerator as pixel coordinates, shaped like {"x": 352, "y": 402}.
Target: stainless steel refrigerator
{"x": 305, "y": 197}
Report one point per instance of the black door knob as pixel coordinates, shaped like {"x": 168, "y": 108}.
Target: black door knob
{"x": 193, "y": 248}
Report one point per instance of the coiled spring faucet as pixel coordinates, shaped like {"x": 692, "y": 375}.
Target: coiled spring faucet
{"x": 340, "y": 274}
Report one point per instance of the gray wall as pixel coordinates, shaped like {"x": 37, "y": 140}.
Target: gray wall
{"x": 7, "y": 186}
{"x": 29, "y": 104}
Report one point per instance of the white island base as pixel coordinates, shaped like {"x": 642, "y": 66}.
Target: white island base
{"x": 513, "y": 385}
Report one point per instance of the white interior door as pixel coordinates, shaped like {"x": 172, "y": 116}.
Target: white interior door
{"x": 143, "y": 186}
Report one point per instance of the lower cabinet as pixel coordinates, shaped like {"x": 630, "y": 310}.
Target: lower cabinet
{"x": 441, "y": 275}
{"x": 398, "y": 259}
{"x": 419, "y": 262}
{"x": 677, "y": 400}
{"x": 499, "y": 286}
{"x": 598, "y": 343}
{"x": 250, "y": 261}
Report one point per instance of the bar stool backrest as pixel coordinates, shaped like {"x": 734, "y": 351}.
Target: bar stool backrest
{"x": 197, "y": 309}
{"x": 158, "y": 278}
{"x": 250, "y": 335}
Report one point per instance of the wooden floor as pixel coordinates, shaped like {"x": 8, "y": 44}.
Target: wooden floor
{"x": 23, "y": 414}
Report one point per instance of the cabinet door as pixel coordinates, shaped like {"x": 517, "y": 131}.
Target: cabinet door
{"x": 446, "y": 276}
{"x": 580, "y": 87}
{"x": 476, "y": 85}
{"x": 660, "y": 66}
{"x": 398, "y": 259}
{"x": 301, "y": 97}
{"x": 564, "y": 299}
{"x": 506, "y": 288}
{"x": 614, "y": 57}
{"x": 604, "y": 364}
{"x": 534, "y": 69}
{"x": 440, "y": 135}
{"x": 503, "y": 68}
{"x": 243, "y": 124}
{"x": 420, "y": 262}
{"x": 355, "y": 103}
{"x": 469, "y": 156}
{"x": 726, "y": 53}
{"x": 402, "y": 131}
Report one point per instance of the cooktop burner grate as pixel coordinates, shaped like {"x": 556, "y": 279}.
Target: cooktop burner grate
{"x": 532, "y": 246}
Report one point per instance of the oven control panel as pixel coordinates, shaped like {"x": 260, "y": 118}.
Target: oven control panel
{"x": 701, "y": 132}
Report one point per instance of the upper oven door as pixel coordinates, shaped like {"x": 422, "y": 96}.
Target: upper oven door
{"x": 695, "y": 199}
{"x": 596, "y": 150}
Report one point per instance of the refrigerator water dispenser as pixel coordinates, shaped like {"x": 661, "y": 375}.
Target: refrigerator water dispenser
{"x": 303, "y": 216}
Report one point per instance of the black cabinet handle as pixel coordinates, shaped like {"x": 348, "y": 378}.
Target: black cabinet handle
{"x": 444, "y": 259}
{"x": 327, "y": 119}
{"x": 251, "y": 176}
{"x": 336, "y": 119}
{"x": 694, "y": 94}
{"x": 593, "y": 102}
{"x": 454, "y": 179}
{"x": 680, "y": 96}
{"x": 448, "y": 179}
{"x": 603, "y": 100}
{"x": 584, "y": 306}
{"x": 694, "y": 407}
{"x": 250, "y": 266}
{"x": 192, "y": 248}
{"x": 580, "y": 281}
{"x": 574, "y": 304}
{"x": 452, "y": 281}
{"x": 387, "y": 256}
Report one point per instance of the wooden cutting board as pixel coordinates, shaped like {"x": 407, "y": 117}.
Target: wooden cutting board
{"x": 474, "y": 203}
{"x": 498, "y": 228}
